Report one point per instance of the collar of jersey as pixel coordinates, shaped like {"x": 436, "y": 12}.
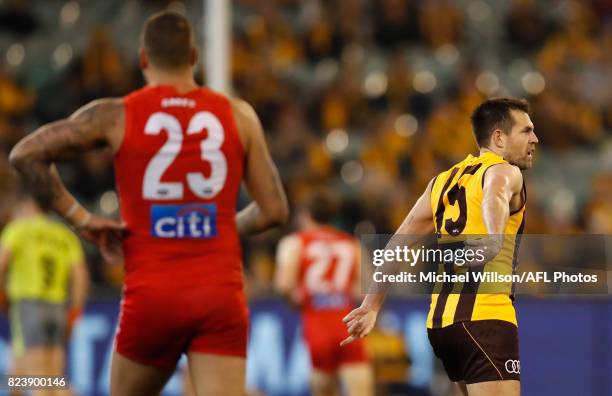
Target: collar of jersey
{"x": 490, "y": 154}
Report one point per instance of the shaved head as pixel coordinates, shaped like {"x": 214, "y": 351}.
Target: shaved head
{"x": 168, "y": 41}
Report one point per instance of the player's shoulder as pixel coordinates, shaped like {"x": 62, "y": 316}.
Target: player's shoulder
{"x": 504, "y": 170}
{"x": 215, "y": 95}
{"x": 341, "y": 234}
{"x": 20, "y": 230}
{"x": 103, "y": 112}
{"x": 247, "y": 122}
{"x": 62, "y": 231}
{"x": 12, "y": 227}
{"x": 328, "y": 232}
{"x": 504, "y": 174}
{"x": 111, "y": 103}
{"x": 292, "y": 241}
{"x": 242, "y": 110}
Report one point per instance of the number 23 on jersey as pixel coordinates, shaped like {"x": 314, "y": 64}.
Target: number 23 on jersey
{"x": 210, "y": 147}
{"x": 192, "y": 220}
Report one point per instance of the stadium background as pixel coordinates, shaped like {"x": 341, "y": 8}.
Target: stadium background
{"x": 371, "y": 97}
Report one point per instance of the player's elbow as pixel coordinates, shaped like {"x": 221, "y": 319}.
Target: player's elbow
{"x": 19, "y": 156}
{"x": 279, "y": 214}
{"x": 283, "y": 213}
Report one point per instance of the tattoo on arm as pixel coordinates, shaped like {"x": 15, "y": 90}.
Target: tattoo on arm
{"x": 84, "y": 130}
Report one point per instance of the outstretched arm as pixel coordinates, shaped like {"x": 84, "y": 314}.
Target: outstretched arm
{"x": 419, "y": 221}
{"x": 269, "y": 207}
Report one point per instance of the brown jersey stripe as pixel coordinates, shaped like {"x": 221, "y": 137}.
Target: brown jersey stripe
{"x": 467, "y": 299}
{"x": 440, "y": 206}
{"x": 524, "y": 198}
{"x": 471, "y": 170}
{"x": 517, "y": 243}
{"x": 447, "y": 287}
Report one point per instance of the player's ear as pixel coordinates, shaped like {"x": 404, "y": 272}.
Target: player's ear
{"x": 498, "y": 138}
{"x": 143, "y": 59}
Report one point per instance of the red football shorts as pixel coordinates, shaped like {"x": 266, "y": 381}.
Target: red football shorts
{"x": 323, "y": 332}
{"x": 157, "y": 324}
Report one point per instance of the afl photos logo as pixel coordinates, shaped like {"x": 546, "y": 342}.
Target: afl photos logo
{"x": 513, "y": 366}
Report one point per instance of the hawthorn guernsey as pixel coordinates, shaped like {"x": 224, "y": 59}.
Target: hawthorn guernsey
{"x": 471, "y": 327}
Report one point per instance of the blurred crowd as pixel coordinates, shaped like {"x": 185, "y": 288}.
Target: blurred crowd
{"x": 370, "y": 97}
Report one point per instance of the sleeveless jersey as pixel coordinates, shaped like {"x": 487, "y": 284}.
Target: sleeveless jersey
{"x": 178, "y": 174}
{"x": 43, "y": 253}
{"x": 327, "y": 269}
{"x": 456, "y": 203}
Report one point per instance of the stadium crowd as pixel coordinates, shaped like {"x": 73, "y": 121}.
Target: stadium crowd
{"x": 370, "y": 97}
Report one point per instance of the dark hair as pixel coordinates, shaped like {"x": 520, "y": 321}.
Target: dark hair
{"x": 321, "y": 205}
{"x": 495, "y": 114}
{"x": 168, "y": 40}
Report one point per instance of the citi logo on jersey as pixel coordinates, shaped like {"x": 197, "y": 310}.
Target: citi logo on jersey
{"x": 197, "y": 221}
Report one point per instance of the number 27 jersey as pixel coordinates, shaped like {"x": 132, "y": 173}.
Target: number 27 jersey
{"x": 328, "y": 267}
{"x": 178, "y": 174}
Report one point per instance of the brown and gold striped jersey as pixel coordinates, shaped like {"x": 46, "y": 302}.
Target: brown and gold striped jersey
{"x": 456, "y": 200}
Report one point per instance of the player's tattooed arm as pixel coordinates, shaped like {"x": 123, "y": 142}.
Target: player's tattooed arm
{"x": 94, "y": 125}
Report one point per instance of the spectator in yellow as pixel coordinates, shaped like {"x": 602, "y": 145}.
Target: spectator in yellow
{"x": 41, "y": 265}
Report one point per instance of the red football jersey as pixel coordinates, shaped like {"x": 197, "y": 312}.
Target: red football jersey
{"x": 328, "y": 265}
{"x": 178, "y": 174}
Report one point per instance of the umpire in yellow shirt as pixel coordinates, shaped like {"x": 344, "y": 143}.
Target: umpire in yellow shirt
{"x": 41, "y": 265}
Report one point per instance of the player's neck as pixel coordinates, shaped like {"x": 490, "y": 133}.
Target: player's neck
{"x": 28, "y": 213}
{"x": 182, "y": 81}
{"x": 485, "y": 150}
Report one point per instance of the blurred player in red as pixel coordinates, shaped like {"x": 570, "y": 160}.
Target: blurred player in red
{"x": 181, "y": 153}
{"x": 318, "y": 271}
